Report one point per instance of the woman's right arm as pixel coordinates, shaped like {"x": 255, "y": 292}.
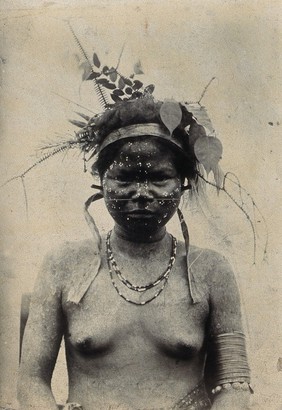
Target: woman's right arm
{"x": 41, "y": 342}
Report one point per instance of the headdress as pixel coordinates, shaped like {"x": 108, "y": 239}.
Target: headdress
{"x": 130, "y": 110}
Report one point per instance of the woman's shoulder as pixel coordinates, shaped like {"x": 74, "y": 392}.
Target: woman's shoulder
{"x": 218, "y": 275}
{"x": 214, "y": 276}
{"x": 211, "y": 258}
{"x": 68, "y": 255}
{"x": 206, "y": 257}
{"x": 207, "y": 264}
{"x": 71, "y": 267}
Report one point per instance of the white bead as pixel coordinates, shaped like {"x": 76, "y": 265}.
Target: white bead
{"x": 227, "y": 386}
{"x": 236, "y": 385}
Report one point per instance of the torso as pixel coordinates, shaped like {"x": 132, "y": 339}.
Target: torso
{"x": 135, "y": 357}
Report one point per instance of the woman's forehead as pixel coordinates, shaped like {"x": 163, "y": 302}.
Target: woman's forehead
{"x": 147, "y": 147}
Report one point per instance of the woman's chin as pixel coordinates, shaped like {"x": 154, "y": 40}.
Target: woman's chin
{"x": 140, "y": 226}
{"x": 146, "y": 223}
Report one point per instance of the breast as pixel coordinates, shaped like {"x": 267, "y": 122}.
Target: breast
{"x": 90, "y": 335}
{"x": 179, "y": 350}
{"x": 178, "y": 332}
{"x": 169, "y": 327}
{"x": 88, "y": 346}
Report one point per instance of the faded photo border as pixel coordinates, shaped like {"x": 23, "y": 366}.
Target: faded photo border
{"x": 181, "y": 45}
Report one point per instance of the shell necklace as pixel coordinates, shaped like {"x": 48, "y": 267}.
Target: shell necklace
{"x": 162, "y": 279}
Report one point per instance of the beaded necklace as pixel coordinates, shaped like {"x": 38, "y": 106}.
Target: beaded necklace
{"x": 163, "y": 278}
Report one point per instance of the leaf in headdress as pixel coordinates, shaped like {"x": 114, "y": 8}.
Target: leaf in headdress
{"x": 105, "y": 70}
{"x": 113, "y": 75}
{"x": 115, "y": 98}
{"x": 132, "y": 75}
{"x": 78, "y": 123}
{"x": 136, "y": 94}
{"x": 208, "y": 151}
{"x": 110, "y": 86}
{"x": 137, "y": 84}
{"x": 171, "y": 114}
{"x": 93, "y": 75}
{"x": 118, "y": 92}
{"x": 103, "y": 81}
{"x": 87, "y": 70}
{"x": 138, "y": 68}
{"x": 200, "y": 112}
{"x": 196, "y": 131}
{"x": 127, "y": 81}
{"x": 128, "y": 90}
{"x": 96, "y": 60}
{"x": 149, "y": 89}
{"x": 121, "y": 83}
{"x": 86, "y": 117}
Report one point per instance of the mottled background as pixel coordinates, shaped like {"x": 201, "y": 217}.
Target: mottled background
{"x": 181, "y": 45}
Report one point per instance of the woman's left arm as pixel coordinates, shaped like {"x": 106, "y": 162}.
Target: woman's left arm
{"x": 227, "y": 360}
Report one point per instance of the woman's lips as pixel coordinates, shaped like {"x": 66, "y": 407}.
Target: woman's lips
{"x": 140, "y": 213}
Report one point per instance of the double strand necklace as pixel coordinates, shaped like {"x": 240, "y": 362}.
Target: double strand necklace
{"x": 163, "y": 278}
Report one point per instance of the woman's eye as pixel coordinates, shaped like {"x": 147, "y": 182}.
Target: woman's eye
{"x": 123, "y": 181}
{"x": 160, "y": 182}
{"x": 155, "y": 179}
{"x": 160, "y": 178}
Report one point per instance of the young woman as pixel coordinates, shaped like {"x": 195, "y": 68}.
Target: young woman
{"x": 149, "y": 322}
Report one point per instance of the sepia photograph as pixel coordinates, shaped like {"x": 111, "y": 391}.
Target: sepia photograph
{"x": 140, "y": 186}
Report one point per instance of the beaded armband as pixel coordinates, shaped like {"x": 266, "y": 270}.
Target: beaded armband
{"x": 229, "y": 362}
{"x": 235, "y": 385}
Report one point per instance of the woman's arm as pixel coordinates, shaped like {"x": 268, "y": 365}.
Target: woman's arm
{"x": 41, "y": 342}
{"x": 227, "y": 352}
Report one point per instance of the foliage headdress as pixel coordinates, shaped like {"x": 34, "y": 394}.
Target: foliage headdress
{"x": 129, "y": 109}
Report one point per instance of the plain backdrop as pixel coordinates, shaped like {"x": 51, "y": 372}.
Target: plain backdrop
{"x": 181, "y": 46}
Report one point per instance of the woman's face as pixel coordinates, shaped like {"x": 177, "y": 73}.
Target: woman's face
{"x": 142, "y": 187}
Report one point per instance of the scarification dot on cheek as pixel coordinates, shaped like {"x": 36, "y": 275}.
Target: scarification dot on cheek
{"x": 138, "y": 170}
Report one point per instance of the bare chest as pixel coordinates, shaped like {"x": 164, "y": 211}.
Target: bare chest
{"x": 104, "y": 322}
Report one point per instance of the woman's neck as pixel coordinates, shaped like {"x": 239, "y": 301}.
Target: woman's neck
{"x": 139, "y": 237}
{"x": 139, "y": 246}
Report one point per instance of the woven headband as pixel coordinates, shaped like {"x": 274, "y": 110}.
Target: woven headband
{"x": 138, "y": 130}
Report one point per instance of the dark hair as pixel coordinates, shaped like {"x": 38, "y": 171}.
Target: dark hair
{"x": 142, "y": 111}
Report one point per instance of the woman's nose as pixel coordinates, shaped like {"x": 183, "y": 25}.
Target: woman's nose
{"x": 142, "y": 191}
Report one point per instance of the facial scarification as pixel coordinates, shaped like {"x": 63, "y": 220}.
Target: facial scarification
{"x": 142, "y": 186}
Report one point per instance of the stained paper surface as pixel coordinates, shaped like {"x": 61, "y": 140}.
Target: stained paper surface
{"x": 181, "y": 46}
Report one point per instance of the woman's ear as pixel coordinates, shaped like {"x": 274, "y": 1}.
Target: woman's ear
{"x": 185, "y": 187}
{"x": 97, "y": 178}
